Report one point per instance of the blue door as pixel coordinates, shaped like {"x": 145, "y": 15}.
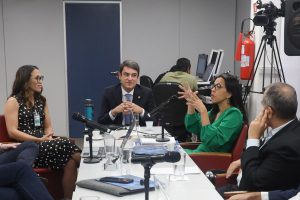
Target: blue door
{"x": 93, "y": 46}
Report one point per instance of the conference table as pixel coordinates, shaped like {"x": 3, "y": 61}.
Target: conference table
{"x": 193, "y": 186}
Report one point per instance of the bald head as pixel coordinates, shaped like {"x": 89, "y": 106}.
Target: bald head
{"x": 282, "y": 98}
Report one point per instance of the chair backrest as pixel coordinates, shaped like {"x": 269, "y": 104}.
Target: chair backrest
{"x": 146, "y": 81}
{"x": 3, "y": 130}
{"x": 240, "y": 143}
{"x": 174, "y": 112}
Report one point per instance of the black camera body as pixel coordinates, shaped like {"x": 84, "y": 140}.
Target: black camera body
{"x": 266, "y": 17}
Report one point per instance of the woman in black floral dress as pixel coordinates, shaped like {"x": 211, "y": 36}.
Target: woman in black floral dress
{"x": 27, "y": 119}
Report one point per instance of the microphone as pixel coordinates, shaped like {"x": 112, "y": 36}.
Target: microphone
{"x": 170, "y": 156}
{"x": 89, "y": 123}
{"x": 158, "y": 109}
{"x": 115, "y": 73}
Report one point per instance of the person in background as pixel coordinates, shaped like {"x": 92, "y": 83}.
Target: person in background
{"x": 218, "y": 128}
{"x": 28, "y": 119}
{"x": 180, "y": 73}
{"x": 19, "y": 182}
{"x": 127, "y": 97}
{"x": 160, "y": 76}
{"x": 273, "y": 162}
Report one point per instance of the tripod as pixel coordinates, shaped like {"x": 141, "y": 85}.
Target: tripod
{"x": 271, "y": 40}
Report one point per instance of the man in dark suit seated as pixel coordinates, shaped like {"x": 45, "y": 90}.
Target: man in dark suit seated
{"x": 120, "y": 100}
{"x": 274, "y": 164}
{"x": 292, "y": 194}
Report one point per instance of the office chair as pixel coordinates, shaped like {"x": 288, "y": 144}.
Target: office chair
{"x": 217, "y": 160}
{"x": 146, "y": 81}
{"x": 54, "y": 177}
{"x": 173, "y": 114}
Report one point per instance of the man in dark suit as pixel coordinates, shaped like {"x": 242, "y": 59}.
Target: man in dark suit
{"x": 120, "y": 100}
{"x": 275, "y": 164}
{"x": 292, "y": 194}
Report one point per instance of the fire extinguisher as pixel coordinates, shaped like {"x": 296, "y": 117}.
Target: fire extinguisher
{"x": 245, "y": 52}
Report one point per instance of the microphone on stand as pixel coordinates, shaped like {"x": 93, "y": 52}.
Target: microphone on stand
{"x": 170, "y": 156}
{"x": 159, "y": 109}
{"x": 89, "y": 123}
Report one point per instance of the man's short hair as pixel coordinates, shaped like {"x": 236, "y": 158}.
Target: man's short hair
{"x": 282, "y": 98}
{"x": 131, "y": 64}
{"x": 182, "y": 64}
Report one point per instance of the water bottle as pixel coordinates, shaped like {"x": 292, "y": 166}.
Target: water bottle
{"x": 89, "y": 109}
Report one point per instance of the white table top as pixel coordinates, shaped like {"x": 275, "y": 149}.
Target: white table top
{"x": 195, "y": 186}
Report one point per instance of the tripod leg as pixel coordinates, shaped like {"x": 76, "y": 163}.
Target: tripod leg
{"x": 279, "y": 67}
{"x": 255, "y": 67}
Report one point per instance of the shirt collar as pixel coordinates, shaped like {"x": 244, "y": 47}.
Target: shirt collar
{"x": 275, "y": 130}
{"x": 124, "y": 92}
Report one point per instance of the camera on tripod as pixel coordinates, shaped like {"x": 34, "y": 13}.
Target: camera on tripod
{"x": 267, "y": 16}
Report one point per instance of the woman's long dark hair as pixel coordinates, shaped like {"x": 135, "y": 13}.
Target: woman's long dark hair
{"x": 20, "y": 86}
{"x": 232, "y": 86}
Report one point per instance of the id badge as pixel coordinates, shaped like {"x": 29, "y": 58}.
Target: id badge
{"x": 37, "y": 120}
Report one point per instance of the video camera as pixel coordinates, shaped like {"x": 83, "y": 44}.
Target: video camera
{"x": 267, "y": 16}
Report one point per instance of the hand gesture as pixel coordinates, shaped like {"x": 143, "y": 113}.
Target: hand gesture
{"x": 134, "y": 108}
{"x": 192, "y": 99}
{"x": 47, "y": 137}
{"x": 9, "y": 146}
{"x": 119, "y": 109}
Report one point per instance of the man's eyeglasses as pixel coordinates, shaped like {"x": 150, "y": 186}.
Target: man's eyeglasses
{"x": 39, "y": 78}
{"x": 134, "y": 75}
{"x": 216, "y": 86}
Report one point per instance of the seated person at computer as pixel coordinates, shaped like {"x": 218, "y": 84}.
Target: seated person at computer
{"x": 127, "y": 97}
{"x": 218, "y": 128}
{"x": 160, "y": 76}
{"x": 181, "y": 74}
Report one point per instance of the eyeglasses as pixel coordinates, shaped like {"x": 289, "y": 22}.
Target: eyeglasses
{"x": 39, "y": 78}
{"x": 133, "y": 75}
{"x": 217, "y": 86}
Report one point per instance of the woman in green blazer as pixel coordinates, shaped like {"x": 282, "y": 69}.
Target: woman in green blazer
{"x": 219, "y": 128}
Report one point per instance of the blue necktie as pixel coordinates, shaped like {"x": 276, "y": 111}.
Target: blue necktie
{"x": 127, "y": 117}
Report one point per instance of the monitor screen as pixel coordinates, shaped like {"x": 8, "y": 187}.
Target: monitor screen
{"x": 214, "y": 56}
{"x": 201, "y": 65}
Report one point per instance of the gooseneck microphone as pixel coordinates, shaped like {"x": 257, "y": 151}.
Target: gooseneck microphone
{"x": 170, "y": 156}
{"x": 157, "y": 110}
{"x": 89, "y": 123}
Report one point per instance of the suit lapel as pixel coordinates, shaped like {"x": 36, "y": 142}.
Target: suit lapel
{"x": 137, "y": 95}
{"x": 118, "y": 94}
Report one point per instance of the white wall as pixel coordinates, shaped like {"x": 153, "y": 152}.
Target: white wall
{"x": 155, "y": 33}
{"x": 33, "y": 32}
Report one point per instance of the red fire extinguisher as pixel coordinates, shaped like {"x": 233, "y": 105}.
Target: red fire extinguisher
{"x": 245, "y": 52}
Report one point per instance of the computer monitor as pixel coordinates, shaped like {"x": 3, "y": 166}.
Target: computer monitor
{"x": 212, "y": 66}
{"x": 201, "y": 65}
{"x": 219, "y": 62}
{"x": 213, "y": 56}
